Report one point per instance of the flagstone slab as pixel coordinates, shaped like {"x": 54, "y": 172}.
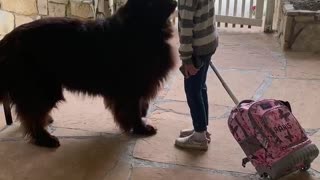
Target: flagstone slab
{"x": 2, "y": 120}
{"x": 223, "y": 154}
{"x": 84, "y": 113}
{"x": 121, "y": 171}
{"x": 146, "y": 173}
{"x": 303, "y": 65}
{"x": 303, "y": 96}
{"x": 13, "y": 131}
{"x": 243, "y": 84}
{"x": 182, "y": 108}
{"x": 65, "y": 132}
{"x": 142, "y": 173}
{"x": 254, "y": 51}
{"x": 92, "y": 158}
{"x": 300, "y": 176}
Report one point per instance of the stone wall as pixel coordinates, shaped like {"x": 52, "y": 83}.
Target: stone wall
{"x": 13, "y": 13}
{"x": 298, "y": 30}
{"x": 309, "y": 38}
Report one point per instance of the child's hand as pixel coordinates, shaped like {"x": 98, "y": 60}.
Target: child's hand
{"x": 189, "y": 70}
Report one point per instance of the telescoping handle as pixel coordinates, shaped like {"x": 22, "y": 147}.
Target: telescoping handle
{"x": 224, "y": 84}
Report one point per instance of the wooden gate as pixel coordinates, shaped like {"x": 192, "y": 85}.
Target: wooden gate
{"x": 241, "y": 12}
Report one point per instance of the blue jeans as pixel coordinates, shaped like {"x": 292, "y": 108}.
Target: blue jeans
{"x": 196, "y": 94}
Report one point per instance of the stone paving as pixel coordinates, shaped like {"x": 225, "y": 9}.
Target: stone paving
{"x": 92, "y": 147}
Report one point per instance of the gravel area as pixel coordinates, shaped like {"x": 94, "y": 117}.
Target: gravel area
{"x": 313, "y": 5}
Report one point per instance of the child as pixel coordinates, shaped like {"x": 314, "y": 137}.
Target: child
{"x": 198, "y": 42}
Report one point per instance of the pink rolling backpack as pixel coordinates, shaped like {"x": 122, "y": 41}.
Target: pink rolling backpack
{"x": 270, "y": 136}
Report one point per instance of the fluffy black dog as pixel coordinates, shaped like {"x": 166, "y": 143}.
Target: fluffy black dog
{"x": 124, "y": 59}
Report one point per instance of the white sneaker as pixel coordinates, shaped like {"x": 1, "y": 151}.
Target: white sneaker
{"x": 191, "y": 143}
{"x": 188, "y": 132}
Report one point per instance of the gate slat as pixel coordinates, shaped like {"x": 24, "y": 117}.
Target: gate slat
{"x": 251, "y": 10}
{"x": 242, "y": 10}
{"x": 235, "y": 10}
{"x": 219, "y": 10}
{"x": 227, "y": 7}
{"x": 259, "y": 9}
{"x": 220, "y": 7}
{"x": 227, "y": 10}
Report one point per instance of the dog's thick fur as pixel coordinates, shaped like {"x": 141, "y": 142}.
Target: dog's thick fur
{"x": 124, "y": 59}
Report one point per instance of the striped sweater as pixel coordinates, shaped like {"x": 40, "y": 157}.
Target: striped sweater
{"x": 197, "y": 29}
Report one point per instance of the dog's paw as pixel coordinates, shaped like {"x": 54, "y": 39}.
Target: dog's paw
{"x": 47, "y": 141}
{"x": 50, "y": 120}
{"x": 147, "y": 130}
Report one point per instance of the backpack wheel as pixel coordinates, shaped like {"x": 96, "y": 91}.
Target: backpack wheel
{"x": 264, "y": 175}
{"x": 305, "y": 168}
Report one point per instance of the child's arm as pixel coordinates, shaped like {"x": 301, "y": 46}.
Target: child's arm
{"x": 186, "y": 11}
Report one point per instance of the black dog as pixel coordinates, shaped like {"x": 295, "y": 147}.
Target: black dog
{"x": 124, "y": 59}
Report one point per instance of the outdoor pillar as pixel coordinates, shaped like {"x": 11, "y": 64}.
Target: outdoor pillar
{"x": 268, "y": 25}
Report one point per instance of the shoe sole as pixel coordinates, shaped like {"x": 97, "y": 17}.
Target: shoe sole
{"x": 182, "y": 136}
{"x": 184, "y": 146}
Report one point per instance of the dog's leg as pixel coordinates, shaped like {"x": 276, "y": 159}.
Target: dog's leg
{"x": 35, "y": 93}
{"x": 140, "y": 127}
{"x": 34, "y": 121}
{"x": 33, "y": 105}
{"x": 50, "y": 120}
{"x": 144, "y": 106}
{"x": 128, "y": 114}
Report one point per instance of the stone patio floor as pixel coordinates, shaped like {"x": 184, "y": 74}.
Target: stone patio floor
{"x": 94, "y": 149}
